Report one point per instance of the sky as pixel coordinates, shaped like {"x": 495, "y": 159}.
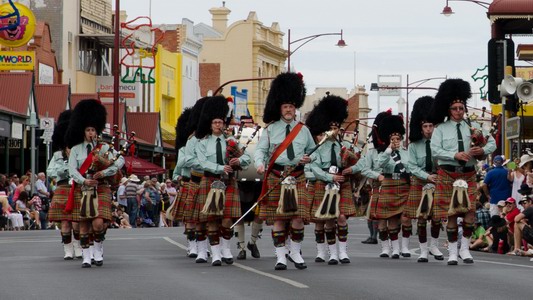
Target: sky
{"x": 384, "y": 37}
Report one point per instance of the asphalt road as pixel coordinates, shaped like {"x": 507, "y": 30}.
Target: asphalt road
{"x": 151, "y": 264}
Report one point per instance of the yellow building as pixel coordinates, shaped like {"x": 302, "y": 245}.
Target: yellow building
{"x": 167, "y": 97}
{"x": 244, "y": 49}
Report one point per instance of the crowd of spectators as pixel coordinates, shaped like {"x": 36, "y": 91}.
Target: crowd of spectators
{"x": 505, "y": 213}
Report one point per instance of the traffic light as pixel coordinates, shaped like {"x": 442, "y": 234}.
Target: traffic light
{"x": 497, "y": 65}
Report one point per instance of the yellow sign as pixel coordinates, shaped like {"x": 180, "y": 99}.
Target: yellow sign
{"x": 17, "y": 60}
{"x": 17, "y": 24}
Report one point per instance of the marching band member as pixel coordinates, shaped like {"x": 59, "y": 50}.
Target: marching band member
{"x": 199, "y": 234}
{"x": 183, "y": 174}
{"x": 451, "y": 145}
{"x": 92, "y": 165}
{"x": 369, "y": 167}
{"x": 218, "y": 197}
{"x": 283, "y": 145}
{"x": 423, "y": 171}
{"x": 387, "y": 205}
{"x": 332, "y": 203}
{"x": 58, "y": 171}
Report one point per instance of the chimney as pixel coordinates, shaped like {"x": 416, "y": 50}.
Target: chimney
{"x": 220, "y": 18}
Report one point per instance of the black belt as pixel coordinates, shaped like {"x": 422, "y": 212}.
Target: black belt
{"x": 396, "y": 176}
{"x": 62, "y": 182}
{"x": 213, "y": 175}
{"x": 196, "y": 179}
{"x": 457, "y": 169}
{"x": 281, "y": 168}
{"x": 185, "y": 179}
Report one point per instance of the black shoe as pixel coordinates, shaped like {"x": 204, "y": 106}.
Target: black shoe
{"x": 99, "y": 263}
{"x": 333, "y": 262}
{"x": 452, "y": 263}
{"x": 228, "y": 261}
{"x": 280, "y": 266}
{"x": 216, "y": 263}
{"x": 254, "y": 250}
{"x": 374, "y": 242}
{"x": 200, "y": 261}
{"x": 192, "y": 255}
{"x": 86, "y": 265}
{"x": 437, "y": 257}
{"x": 406, "y": 254}
{"x": 368, "y": 241}
{"x": 384, "y": 255}
{"x": 345, "y": 261}
{"x": 319, "y": 260}
{"x": 422, "y": 260}
{"x": 92, "y": 261}
{"x": 68, "y": 258}
{"x": 241, "y": 255}
{"x": 300, "y": 266}
{"x": 468, "y": 261}
{"x": 395, "y": 256}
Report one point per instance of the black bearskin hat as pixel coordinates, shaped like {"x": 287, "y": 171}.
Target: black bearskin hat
{"x": 376, "y": 141}
{"x": 196, "y": 112}
{"x": 390, "y": 125}
{"x": 450, "y": 92}
{"x": 420, "y": 115}
{"x": 330, "y": 110}
{"x": 87, "y": 113}
{"x": 285, "y": 88}
{"x": 182, "y": 135}
{"x": 60, "y": 129}
{"x": 215, "y": 107}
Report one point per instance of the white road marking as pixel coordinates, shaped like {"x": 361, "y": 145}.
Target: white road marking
{"x": 282, "y": 279}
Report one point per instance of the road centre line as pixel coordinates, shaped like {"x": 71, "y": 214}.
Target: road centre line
{"x": 250, "y": 269}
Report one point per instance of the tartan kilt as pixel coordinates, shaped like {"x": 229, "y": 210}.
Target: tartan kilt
{"x": 444, "y": 188}
{"x": 59, "y": 201}
{"x": 415, "y": 194}
{"x": 388, "y": 199}
{"x": 179, "y": 206}
{"x": 190, "y": 202}
{"x": 269, "y": 205}
{"x": 104, "y": 201}
{"x": 346, "y": 204}
{"x": 232, "y": 206}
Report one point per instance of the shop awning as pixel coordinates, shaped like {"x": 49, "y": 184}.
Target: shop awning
{"x": 141, "y": 167}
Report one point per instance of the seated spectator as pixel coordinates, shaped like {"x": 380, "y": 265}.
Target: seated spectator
{"x": 525, "y": 193}
{"x": 17, "y": 223}
{"x": 523, "y": 227}
{"x": 23, "y": 206}
{"x": 498, "y": 232}
{"x": 482, "y": 215}
{"x": 124, "y": 219}
{"x": 511, "y": 211}
{"x": 478, "y": 239}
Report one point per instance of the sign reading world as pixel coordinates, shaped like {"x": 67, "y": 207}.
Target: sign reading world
{"x": 17, "y": 24}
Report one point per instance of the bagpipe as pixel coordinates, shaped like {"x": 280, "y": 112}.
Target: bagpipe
{"x": 216, "y": 198}
{"x": 288, "y": 181}
{"x": 477, "y": 138}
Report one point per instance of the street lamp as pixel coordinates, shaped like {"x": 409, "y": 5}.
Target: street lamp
{"x": 447, "y": 10}
{"x": 409, "y": 87}
{"x": 341, "y": 43}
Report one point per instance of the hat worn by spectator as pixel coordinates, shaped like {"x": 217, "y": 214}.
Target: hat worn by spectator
{"x": 134, "y": 178}
{"x": 123, "y": 180}
{"x": 510, "y": 200}
{"x": 524, "y": 159}
{"x": 524, "y": 189}
{"x": 501, "y": 203}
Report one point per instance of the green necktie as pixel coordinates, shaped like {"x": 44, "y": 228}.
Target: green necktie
{"x": 220, "y": 161}
{"x": 290, "y": 149}
{"x": 88, "y": 149}
{"x": 333, "y": 155}
{"x": 460, "y": 142}
{"x": 429, "y": 160}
